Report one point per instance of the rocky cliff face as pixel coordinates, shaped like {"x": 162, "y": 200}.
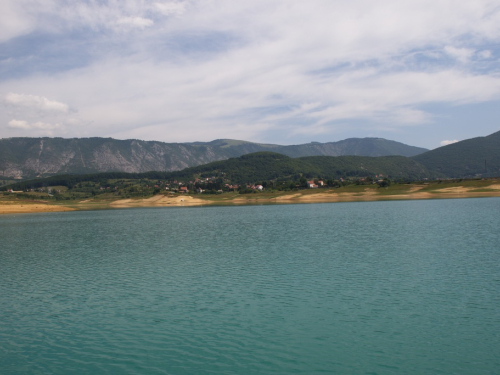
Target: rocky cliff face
{"x": 33, "y": 157}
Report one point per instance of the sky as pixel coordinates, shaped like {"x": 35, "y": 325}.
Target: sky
{"x": 424, "y": 72}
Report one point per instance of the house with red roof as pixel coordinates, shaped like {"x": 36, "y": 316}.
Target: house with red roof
{"x": 311, "y": 185}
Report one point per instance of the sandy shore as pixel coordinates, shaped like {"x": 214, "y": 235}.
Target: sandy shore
{"x": 29, "y": 208}
{"x": 305, "y": 196}
{"x": 373, "y": 195}
{"x": 160, "y": 201}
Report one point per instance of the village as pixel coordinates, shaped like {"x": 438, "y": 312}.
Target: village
{"x": 206, "y": 185}
{"x": 105, "y": 189}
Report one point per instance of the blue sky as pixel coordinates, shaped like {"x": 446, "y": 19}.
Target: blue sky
{"x": 282, "y": 71}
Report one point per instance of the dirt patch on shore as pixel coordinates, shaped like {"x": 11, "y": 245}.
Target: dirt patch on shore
{"x": 493, "y": 187}
{"x": 332, "y": 196}
{"x": 30, "y": 208}
{"x": 371, "y": 195}
{"x": 454, "y": 190}
{"x": 160, "y": 201}
{"x": 416, "y": 188}
{"x": 285, "y": 197}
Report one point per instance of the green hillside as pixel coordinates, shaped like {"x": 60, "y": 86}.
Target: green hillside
{"x": 262, "y": 166}
{"x": 269, "y": 166}
{"x": 352, "y": 146}
{"x": 469, "y": 158}
{"x": 41, "y": 157}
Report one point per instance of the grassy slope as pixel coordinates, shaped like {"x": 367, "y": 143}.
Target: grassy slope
{"x": 467, "y": 158}
{"x": 268, "y": 166}
{"x": 265, "y": 166}
{"x": 352, "y": 146}
{"x": 32, "y": 157}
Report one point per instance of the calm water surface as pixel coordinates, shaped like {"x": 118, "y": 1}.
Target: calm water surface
{"x": 351, "y": 288}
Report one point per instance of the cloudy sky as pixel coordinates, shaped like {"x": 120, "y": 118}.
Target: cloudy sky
{"x": 422, "y": 72}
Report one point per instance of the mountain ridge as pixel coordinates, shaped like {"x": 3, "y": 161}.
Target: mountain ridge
{"x": 467, "y": 158}
{"x": 259, "y": 167}
{"x": 24, "y": 157}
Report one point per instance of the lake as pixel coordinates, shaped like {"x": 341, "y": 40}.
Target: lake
{"x": 391, "y": 287}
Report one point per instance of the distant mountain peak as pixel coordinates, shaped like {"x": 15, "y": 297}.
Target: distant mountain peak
{"x": 474, "y": 157}
{"x": 27, "y": 157}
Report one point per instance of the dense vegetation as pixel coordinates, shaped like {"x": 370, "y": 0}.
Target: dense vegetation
{"x": 476, "y": 156}
{"x": 6, "y": 181}
{"x": 351, "y": 146}
{"x": 271, "y": 166}
{"x": 42, "y": 157}
{"x": 262, "y": 167}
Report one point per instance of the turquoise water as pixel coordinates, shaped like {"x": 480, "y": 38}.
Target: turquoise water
{"x": 407, "y": 287}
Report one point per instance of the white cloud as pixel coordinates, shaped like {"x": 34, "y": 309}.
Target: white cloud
{"x": 13, "y": 20}
{"x": 240, "y": 69}
{"x": 18, "y": 124}
{"x": 176, "y": 8}
{"x": 448, "y": 142}
{"x": 24, "y": 125}
{"x": 486, "y": 54}
{"x": 36, "y": 102}
{"x": 461, "y": 54}
{"x": 137, "y": 22}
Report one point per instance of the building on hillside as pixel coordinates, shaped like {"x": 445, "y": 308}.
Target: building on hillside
{"x": 311, "y": 185}
{"x": 183, "y": 189}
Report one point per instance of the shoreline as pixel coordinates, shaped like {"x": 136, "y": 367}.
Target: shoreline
{"x": 31, "y": 208}
{"x": 364, "y": 194}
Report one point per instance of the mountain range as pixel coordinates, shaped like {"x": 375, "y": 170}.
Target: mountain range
{"x": 41, "y": 157}
{"x": 475, "y": 156}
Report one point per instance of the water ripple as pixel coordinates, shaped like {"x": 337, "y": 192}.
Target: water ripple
{"x": 378, "y": 287}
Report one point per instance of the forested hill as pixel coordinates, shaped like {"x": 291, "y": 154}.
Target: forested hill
{"x": 475, "y": 156}
{"x": 38, "y": 157}
{"x": 263, "y": 166}
{"x": 269, "y": 166}
{"x": 350, "y": 146}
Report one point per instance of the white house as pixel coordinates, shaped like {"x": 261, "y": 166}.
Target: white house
{"x": 311, "y": 185}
